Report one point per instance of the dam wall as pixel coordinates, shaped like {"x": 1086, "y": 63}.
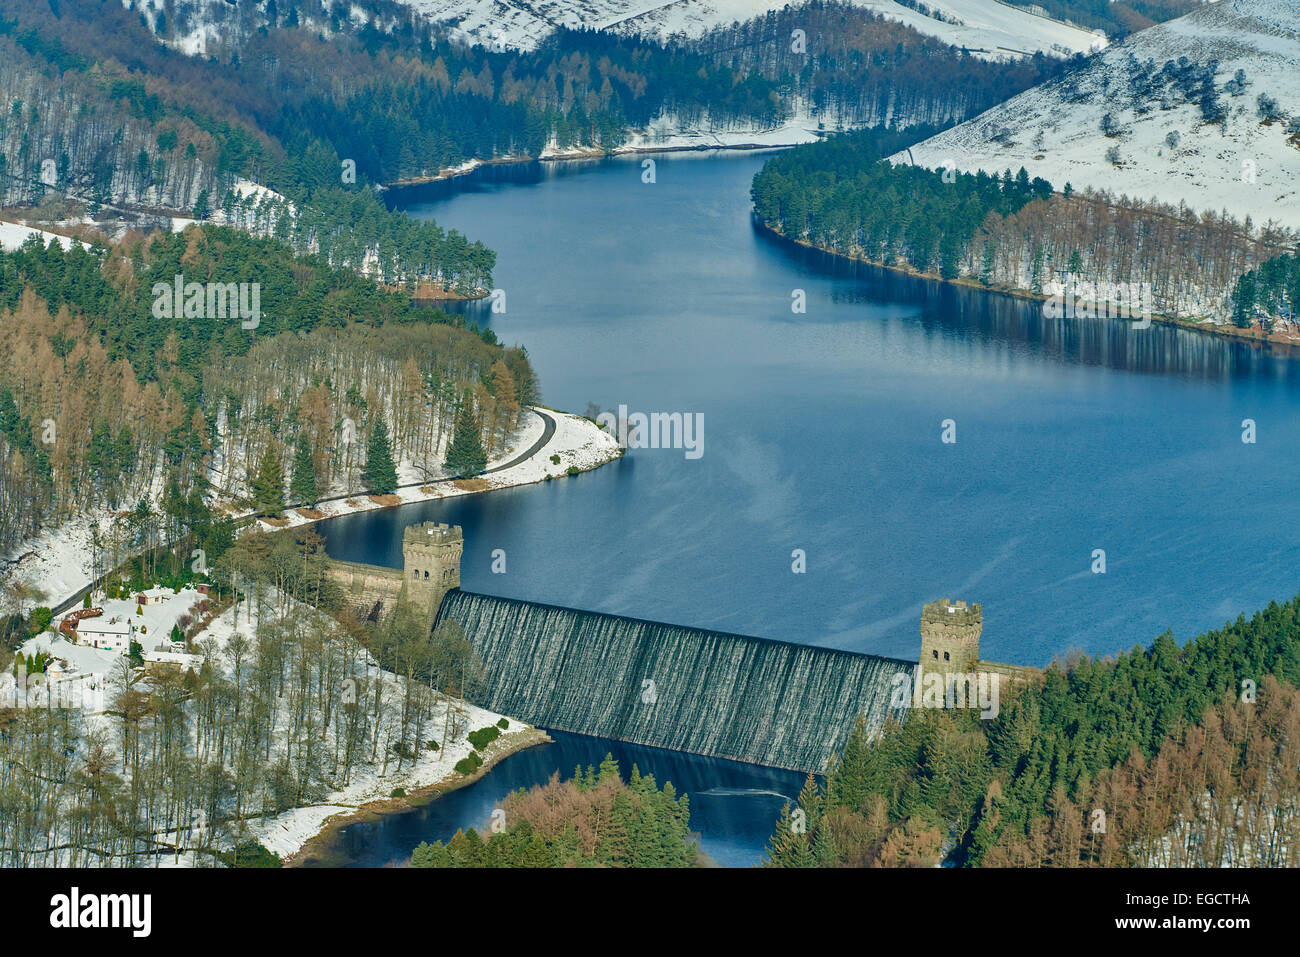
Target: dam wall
{"x": 732, "y": 696}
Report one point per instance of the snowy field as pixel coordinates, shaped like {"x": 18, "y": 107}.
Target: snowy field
{"x": 13, "y": 235}
{"x": 1246, "y": 166}
{"x": 987, "y": 28}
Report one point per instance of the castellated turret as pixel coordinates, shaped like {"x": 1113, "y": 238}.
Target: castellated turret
{"x": 950, "y": 636}
{"x": 430, "y": 564}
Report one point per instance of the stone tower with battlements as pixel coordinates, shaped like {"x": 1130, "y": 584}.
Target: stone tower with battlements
{"x": 430, "y": 564}
{"x": 950, "y": 636}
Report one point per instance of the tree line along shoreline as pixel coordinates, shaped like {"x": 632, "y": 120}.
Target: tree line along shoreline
{"x": 1289, "y": 345}
{"x": 1010, "y": 234}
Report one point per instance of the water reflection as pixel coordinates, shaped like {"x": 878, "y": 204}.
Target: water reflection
{"x": 733, "y": 806}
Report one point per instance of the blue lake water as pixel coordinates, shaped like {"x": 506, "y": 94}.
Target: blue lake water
{"x": 733, "y": 806}
{"x": 822, "y": 432}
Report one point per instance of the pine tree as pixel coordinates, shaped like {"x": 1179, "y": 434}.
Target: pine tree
{"x": 986, "y": 267}
{"x": 616, "y": 838}
{"x": 849, "y": 780}
{"x": 380, "y": 475}
{"x": 823, "y": 846}
{"x": 465, "y": 455}
{"x": 268, "y": 485}
{"x": 303, "y": 487}
{"x": 788, "y": 846}
{"x": 811, "y": 802}
{"x": 608, "y": 770}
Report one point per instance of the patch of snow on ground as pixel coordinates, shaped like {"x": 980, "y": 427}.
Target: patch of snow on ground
{"x": 668, "y": 134}
{"x": 57, "y": 562}
{"x": 577, "y": 442}
{"x": 987, "y": 28}
{"x": 13, "y": 235}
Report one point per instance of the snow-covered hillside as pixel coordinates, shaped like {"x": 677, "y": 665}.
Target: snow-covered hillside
{"x": 13, "y": 235}
{"x": 1133, "y": 122}
{"x": 987, "y": 27}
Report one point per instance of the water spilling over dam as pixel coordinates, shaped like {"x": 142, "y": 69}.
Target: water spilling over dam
{"x": 687, "y": 689}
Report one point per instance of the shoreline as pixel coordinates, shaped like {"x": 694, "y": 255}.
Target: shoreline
{"x": 1249, "y": 336}
{"x": 426, "y": 292}
{"x": 579, "y": 153}
{"x": 578, "y": 441}
{"x": 444, "y": 488}
{"x": 317, "y": 846}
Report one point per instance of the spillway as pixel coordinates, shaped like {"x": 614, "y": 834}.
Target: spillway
{"x": 705, "y": 692}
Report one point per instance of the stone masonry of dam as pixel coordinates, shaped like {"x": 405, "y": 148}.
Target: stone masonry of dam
{"x": 750, "y": 699}
{"x": 686, "y": 689}
{"x": 430, "y": 568}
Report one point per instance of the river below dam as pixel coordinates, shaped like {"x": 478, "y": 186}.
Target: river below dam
{"x": 823, "y": 434}
{"x": 733, "y": 805}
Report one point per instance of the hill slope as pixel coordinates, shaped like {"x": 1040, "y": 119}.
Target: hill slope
{"x": 1168, "y": 101}
{"x": 986, "y": 27}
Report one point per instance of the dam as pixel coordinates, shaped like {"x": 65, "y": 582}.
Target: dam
{"x": 757, "y": 700}
{"x": 766, "y": 702}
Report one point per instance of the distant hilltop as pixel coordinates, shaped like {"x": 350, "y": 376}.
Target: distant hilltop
{"x": 1201, "y": 110}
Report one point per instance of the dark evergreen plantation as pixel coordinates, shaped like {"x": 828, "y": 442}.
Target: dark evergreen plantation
{"x": 851, "y": 67}
{"x": 594, "y": 819}
{"x": 1116, "y": 17}
{"x": 841, "y": 196}
{"x": 113, "y": 288}
{"x": 1190, "y": 754}
{"x": 1270, "y": 291}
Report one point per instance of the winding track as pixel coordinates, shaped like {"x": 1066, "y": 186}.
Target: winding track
{"x": 548, "y": 431}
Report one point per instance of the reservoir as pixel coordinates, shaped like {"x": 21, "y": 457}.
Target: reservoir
{"x": 823, "y": 437}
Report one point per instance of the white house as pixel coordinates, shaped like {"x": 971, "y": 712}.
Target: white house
{"x": 161, "y": 660}
{"x": 110, "y": 635}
